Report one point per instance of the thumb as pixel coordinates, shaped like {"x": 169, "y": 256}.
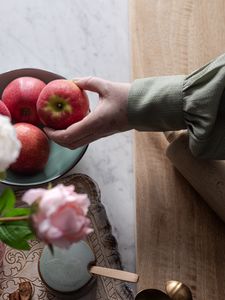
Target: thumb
{"x": 93, "y": 84}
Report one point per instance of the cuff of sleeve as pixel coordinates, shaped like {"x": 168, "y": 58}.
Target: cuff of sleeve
{"x": 156, "y": 104}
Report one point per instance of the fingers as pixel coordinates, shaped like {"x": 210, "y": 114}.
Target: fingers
{"x": 93, "y": 84}
{"x": 58, "y": 136}
{"x": 82, "y": 142}
{"x": 73, "y": 136}
{"x": 69, "y": 144}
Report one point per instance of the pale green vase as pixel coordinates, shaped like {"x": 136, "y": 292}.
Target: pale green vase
{"x": 65, "y": 271}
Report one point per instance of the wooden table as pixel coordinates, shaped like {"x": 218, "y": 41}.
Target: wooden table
{"x": 178, "y": 236}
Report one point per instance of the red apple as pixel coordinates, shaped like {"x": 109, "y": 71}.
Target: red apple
{"x": 20, "y": 96}
{"x": 4, "y": 110}
{"x": 62, "y": 103}
{"x": 34, "y": 151}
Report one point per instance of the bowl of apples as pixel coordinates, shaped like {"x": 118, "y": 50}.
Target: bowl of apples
{"x": 33, "y": 99}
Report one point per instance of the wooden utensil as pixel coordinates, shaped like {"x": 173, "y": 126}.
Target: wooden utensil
{"x": 206, "y": 176}
{"x": 113, "y": 273}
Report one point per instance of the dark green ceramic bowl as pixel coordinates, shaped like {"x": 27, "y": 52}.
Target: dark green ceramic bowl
{"x": 61, "y": 159}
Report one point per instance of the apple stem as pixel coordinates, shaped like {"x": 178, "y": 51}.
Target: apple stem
{"x": 13, "y": 219}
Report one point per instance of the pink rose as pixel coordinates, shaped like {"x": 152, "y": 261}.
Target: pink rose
{"x": 61, "y": 216}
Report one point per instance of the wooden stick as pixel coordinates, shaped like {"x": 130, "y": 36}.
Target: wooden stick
{"x": 13, "y": 219}
{"x": 207, "y": 177}
{"x": 114, "y": 273}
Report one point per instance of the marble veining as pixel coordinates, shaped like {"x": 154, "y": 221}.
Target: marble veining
{"x": 77, "y": 38}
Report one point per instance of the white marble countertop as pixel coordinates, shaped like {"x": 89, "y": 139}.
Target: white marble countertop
{"x": 77, "y": 38}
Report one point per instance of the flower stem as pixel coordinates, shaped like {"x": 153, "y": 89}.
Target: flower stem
{"x": 2, "y": 175}
{"x": 13, "y": 219}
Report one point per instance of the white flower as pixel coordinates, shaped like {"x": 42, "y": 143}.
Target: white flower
{"x": 9, "y": 144}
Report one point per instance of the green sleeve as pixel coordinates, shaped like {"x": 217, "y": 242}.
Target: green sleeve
{"x": 195, "y": 102}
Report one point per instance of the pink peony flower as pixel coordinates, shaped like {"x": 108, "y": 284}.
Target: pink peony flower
{"x": 61, "y": 216}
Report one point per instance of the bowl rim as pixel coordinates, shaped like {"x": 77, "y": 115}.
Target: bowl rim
{"x": 8, "y": 183}
{"x": 29, "y": 69}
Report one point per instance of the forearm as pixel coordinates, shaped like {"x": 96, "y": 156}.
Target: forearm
{"x": 155, "y": 104}
{"x": 195, "y": 102}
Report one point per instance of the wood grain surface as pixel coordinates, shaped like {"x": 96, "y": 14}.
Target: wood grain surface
{"x": 178, "y": 236}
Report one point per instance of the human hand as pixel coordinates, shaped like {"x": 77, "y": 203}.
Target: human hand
{"x": 109, "y": 117}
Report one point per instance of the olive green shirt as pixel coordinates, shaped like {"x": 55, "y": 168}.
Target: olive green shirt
{"x": 195, "y": 102}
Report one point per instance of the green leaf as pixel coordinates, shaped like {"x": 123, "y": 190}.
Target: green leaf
{"x": 15, "y": 234}
{"x": 7, "y": 201}
{"x": 19, "y": 211}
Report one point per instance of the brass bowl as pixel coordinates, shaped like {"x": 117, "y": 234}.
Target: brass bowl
{"x": 151, "y": 294}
